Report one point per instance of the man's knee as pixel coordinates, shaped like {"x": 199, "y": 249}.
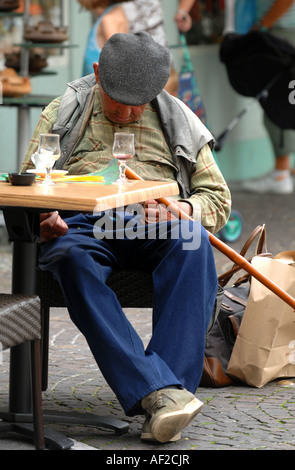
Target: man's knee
{"x": 59, "y": 253}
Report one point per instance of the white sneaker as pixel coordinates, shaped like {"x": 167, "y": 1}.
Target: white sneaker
{"x": 277, "y": 182}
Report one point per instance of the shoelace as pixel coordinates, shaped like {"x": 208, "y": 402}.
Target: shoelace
{"x": 159, "y": 403}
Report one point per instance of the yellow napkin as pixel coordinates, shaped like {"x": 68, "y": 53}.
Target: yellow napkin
{"x": 80, "y": 178}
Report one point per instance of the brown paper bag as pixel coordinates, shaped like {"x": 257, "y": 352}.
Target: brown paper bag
{"x": 265, "y": 345}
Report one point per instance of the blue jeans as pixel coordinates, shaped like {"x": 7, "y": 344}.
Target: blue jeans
{"x": 185, "y": 286}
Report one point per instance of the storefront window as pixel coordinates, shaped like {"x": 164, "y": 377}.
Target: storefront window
{"x": 12, "y": 24}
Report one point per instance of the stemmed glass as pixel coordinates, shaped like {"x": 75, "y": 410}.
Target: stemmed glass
{"x": 123, "y": 149}
{"x": 49, "y": 152}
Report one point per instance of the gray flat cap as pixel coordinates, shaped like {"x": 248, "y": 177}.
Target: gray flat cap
{"x": 133, "y": 68}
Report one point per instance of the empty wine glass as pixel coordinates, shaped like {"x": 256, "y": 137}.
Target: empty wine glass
{"x": 123, "y": 149}
{"x": 49, "y": 152}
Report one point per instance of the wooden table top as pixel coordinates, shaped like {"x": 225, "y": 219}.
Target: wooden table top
{"x": 83, "y": 196}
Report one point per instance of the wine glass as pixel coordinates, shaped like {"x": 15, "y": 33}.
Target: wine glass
{"x": 123, "y": 149}
{"x": 49, "y": 152}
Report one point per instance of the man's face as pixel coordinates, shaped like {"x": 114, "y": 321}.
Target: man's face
{"x": 117, "y": 112}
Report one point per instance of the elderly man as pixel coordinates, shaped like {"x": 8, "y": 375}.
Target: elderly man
{"x": 126, "y": 94}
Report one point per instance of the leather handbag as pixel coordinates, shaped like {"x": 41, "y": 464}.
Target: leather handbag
{"x": 221, "y": 337}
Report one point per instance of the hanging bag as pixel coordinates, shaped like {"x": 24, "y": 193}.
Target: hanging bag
{"x": 188, "y": 88}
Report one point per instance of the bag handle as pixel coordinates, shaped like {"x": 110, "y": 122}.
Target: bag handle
{"x": 260, "y": 230}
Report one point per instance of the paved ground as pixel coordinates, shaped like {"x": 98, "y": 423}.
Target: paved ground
{"x": 237, "y": 417}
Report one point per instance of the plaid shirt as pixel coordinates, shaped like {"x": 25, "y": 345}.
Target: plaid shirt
{"x": 210, "y": 199}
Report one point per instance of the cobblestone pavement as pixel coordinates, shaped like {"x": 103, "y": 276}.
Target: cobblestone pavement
{"x": 236, "y": 417}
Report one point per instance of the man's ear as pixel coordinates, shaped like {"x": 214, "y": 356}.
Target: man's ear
{"x": 95, "y": 68}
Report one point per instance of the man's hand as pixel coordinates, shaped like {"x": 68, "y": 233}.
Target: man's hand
{"x": 155, "y": 212}
{"x": 51, "y": 226}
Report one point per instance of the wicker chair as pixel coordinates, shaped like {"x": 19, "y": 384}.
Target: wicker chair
{"x": 20, "y": 322}
{"x": 48, "y": 290}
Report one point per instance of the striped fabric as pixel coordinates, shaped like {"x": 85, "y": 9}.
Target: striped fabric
{"x": 20, "y": 319}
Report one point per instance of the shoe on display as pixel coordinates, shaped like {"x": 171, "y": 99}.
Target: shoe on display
{"x": 13, "y": 85}
{"x": 9, "y": 5}
{"x": 37, "y": 59}
{"x": 276, "y": 183}
{"x": 46, "y": 32}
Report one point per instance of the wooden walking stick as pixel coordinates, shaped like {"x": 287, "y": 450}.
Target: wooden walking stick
{"x": 225, "y": 249}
